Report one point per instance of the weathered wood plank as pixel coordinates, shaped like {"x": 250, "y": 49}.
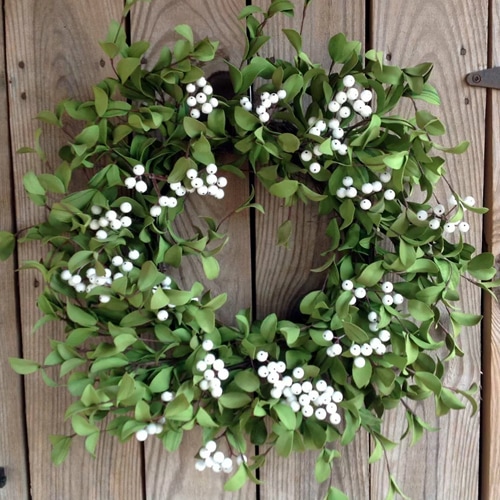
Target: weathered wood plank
{"x": 13, "y": 449}
{"x": 490, "y": 466}
{"x": 172, "y": 475}
{"x": 283, "y": 275}
{"x": 52, "y": 53}
{"x": 444, "y": 464}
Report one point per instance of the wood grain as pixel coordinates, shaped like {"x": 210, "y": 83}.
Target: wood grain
{"x": 13, "y": 448}
{"x": 490, "y": 470}
{"x": 234, "y": 259}
{"x": 172, "y": 475}
{"x": 52, "y": 53}
{"x": 444, "y": 464}
{"x": 283, "y": 275}
{"x": 215, "y": 19}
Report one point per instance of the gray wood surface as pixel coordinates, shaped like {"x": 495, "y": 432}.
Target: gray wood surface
{"x": 51, "y": 52}
{"x": 12, "y": 432}
{"x": 490, "y": 432}
{"x": 446, "y": 463}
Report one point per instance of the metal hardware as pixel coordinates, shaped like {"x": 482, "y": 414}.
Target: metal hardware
{"x": 489, "y": 78}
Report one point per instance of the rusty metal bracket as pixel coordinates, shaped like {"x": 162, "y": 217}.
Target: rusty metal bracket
{"x": 489, "y": 78}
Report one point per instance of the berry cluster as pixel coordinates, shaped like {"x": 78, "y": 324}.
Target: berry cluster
{"x": 376, "y": 344}
{"x": 200, "y": 98}
{"x": 265, "y": 104}
{"x": 319, "y": 400}
{"x": 137, "y": 182}
{"x": 140, "y": 185}
{"x": 342, "y": 106}
{"x": 213, "y": 370}
{"x": 351, "y": 99}
{"x": 155, "y": 427}
{"x": 85, "y": 283}
{"x": 151, "y": 429}
{"x": 441, "y": 216}
{"x": 359, "y": 351}
{"x": 390, "y": 297}
{"x": 209, "y": 184}
{"x": 110, "y": 220}
{"x": 349, "y": 190}
{"x": 211, "y": 458}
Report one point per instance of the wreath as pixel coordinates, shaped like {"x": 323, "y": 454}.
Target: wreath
{"x": 143, "y": 357}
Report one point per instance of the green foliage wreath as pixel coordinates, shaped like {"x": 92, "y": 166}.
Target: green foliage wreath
{"x": 143, "y": 357}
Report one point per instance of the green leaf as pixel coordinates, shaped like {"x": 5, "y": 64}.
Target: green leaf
{"x": 80, "y": 316}
{"x": 91, "y": 443}
{"x": 206, "y": 319}
{"x": 294, "y": 38}
{"x": 335, "y": 494}
{"x": 482, "y": 266}
{"x": 322, "y": 469}
{"x": 79, "y": 259}
{"x": 82, "y": 426}
{"x": 429, "y": 381}
{"x": 211, "y": 266}
{"x": 149, "y": 276}
{"x": 126, "y": 388}
{"x": 60, "y": 448}
{"x": 23, "y": 366}
{"x": 286, "y": 416}
{"x": 176, "y": 406}
{"x": 172, "y": 440}
{"x": 371, "y": 132}
{"x": 234, "y": 400}
{"x": 284, "y": 443}
{"x": 246, "y": 120}
{"x": 450, "y": 399}
{"x": 377, "y": 453}
{"x": 419, "y": 310}
{"x": 109, "y": 363}
{"x": 185, "y": 31}
{"x": 7, "y": 244}
{"x": 285, "y": 188}
{"x": 204, "y": 419}
{"x": 341, "y": 50}
{"x": 289, "y": 142}
{"x": 371, "y": 274}
{"x": 142, "y": 411}
{"x": 182, "y": 165}
{"x": 429, "y": 123}
{"x": 32, "y": 184}
{"x": 268, "y": 327}
{"x": 285, "y": 233}
{"x": 49, "y": 117}
{"x": 255, "y": 45}
{"x": 355, "y": 333}
{"x": 101, "y": 100}
{"x": 248, "y": 11}
{"x": 193, "y": 127}
{"x": 237, "y": 480}
{"x": 88, "y": 137}
{"x": 362, "y": 375}
{"x": 126, "y": 67}
{"x": 247, "y": 380}
{"x": 466, "y": 319}
{"x": 309, "y": 302}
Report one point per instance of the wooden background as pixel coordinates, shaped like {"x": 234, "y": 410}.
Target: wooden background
{"x": 49, "y": 51}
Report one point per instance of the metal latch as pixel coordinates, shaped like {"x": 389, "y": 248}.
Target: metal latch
{"x": 489, "y": 78}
